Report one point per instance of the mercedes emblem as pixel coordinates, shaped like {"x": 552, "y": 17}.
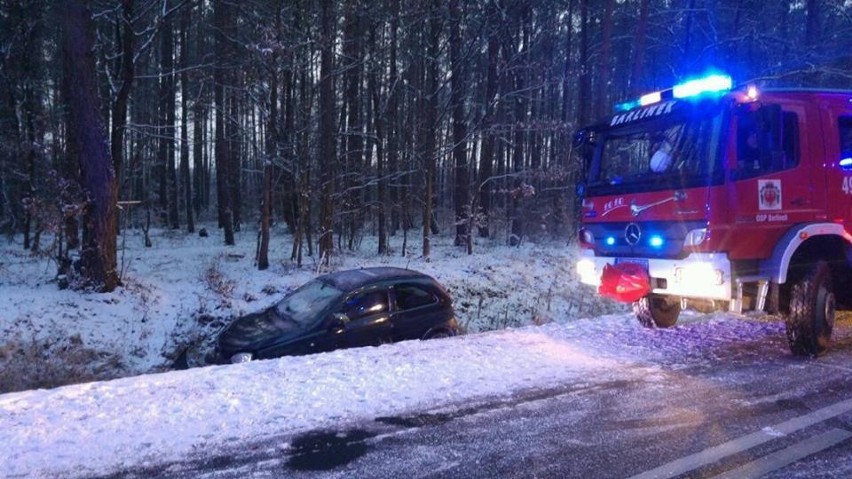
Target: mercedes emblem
{"x": 632, "y": 233}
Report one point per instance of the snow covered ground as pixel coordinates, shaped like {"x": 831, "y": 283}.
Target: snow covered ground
{"x": 185, "y": 288}
{"x": 102, "y": 427}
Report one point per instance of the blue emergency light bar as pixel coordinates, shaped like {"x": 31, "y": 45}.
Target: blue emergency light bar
{"x": 713, "y": 84}
{"x": 700, "y": 86}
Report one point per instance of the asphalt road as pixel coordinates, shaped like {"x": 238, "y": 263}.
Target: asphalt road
{"x": 737, "y": 410}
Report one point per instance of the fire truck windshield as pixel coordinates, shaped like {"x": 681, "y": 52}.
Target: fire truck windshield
{"x": 672, "y": 151}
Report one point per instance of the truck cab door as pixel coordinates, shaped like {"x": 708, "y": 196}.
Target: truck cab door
{"x": 837, "y": 123}
{"x": 774, "y": 181}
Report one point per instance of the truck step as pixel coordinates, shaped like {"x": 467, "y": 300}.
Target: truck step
{"x": 762, "y": 292}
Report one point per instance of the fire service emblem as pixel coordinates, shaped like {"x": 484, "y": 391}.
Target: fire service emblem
{"x": 769, "y": 194}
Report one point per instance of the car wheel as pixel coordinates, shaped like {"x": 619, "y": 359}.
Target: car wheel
{"x": 810, "y": 319}
{"x": 657, "y": 310}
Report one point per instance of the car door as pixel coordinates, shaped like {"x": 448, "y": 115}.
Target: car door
{"x": 367, "y": 319}
{"x": 417, "y": 310}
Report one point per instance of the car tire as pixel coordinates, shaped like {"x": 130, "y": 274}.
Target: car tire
{"x": 810, "y": 319}
{"x": 656, "y": 310}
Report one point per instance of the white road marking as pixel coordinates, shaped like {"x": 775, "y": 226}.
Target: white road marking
{"x": 714, "y": 454}
{"x": 787, "y": 456}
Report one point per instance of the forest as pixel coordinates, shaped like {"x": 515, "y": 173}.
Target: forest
{"x": 332, "y": 120}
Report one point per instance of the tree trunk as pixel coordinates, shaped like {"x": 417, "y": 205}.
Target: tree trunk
{"x": 354, "y": 144}
{"x": 486, "y": 166}
{"x": 166, "y": 154}
{"x": 518, "y": 137}
{"x": 687, "y": 35}
{"x": 584, "y": 96}
{"x": 379, "y": 124}
{"x": 119, "y": 108}
{"x": 812, "y": 23}
{"x": 393, "y": 119}
{"x": 232, "y": 132}
{"x": 327, "y": 140}
{"x": 461, "y": 197}
{"x": 201, "y": 172}
{"x": 98, "y": 256}
{"x": 263, "y": 248}
{"x": 604, "y": 61}
{"x": 221, "y": 12}
{"x": 429, "y": 130}
{"x": 639, "y": 48}
{"x": 186, "y": 180}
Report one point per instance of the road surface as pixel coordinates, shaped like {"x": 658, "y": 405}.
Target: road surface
{"x": 733, "y": 409}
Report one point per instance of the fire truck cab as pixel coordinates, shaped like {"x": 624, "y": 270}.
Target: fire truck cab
{"x": 717, "y": 197}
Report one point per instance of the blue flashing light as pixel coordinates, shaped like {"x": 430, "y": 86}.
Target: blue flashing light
{"x": 610, "y": 240}
{"x": 700, "y": 86}
{"x": 650, "y": 98}
{"x": 846, "y": 163}
{"x": 627, "y": 105}
{"x": 656, "y": 241}
{"x": 713, "y": 84}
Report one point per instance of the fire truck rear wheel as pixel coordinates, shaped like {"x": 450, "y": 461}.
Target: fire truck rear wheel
{"x": 810, "y": 320}
{"x": 657, "y": 310}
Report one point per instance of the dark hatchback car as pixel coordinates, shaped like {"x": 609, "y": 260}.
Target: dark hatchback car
{"x": 346, "y": 309}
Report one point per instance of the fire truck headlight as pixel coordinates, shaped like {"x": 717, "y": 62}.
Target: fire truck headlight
{"x": 586, "y": 270}
{"x": 696, "y": 275}
{"x": 695, "y": 237}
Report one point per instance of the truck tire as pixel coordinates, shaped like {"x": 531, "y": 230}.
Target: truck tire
{"x": 810, "y": 319}
{"x": 657, "y": 310}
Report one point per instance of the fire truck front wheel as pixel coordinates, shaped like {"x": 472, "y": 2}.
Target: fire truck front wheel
{"x": 657, "y": 310}
{"x": 811, "y": 314}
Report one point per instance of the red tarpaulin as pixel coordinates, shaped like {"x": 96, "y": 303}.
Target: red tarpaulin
{"x": 626, "y": 282}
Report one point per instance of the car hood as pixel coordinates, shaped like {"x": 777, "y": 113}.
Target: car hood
{"x": 255, "y": 330}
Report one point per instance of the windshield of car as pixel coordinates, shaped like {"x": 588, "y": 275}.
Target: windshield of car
{"x": 665, "y": 152}
{"x": 304, "y": 305}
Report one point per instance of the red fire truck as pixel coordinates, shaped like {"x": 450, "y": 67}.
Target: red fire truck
{"x": 715, "y": 197}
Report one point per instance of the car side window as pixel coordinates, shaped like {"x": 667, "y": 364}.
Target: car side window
{"x": 366, "y": 304}
{"x": 410, "y": 297}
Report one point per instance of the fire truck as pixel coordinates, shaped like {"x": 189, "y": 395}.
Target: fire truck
{"x": 718, "y": 197}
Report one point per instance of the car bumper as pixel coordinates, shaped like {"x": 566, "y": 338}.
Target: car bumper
{"x": 699, "y": 275}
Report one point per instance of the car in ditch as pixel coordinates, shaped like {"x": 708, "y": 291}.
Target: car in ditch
{"x": 344, "y": 309}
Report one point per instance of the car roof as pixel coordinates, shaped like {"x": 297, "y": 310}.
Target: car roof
{"x": 356, "y": 278}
